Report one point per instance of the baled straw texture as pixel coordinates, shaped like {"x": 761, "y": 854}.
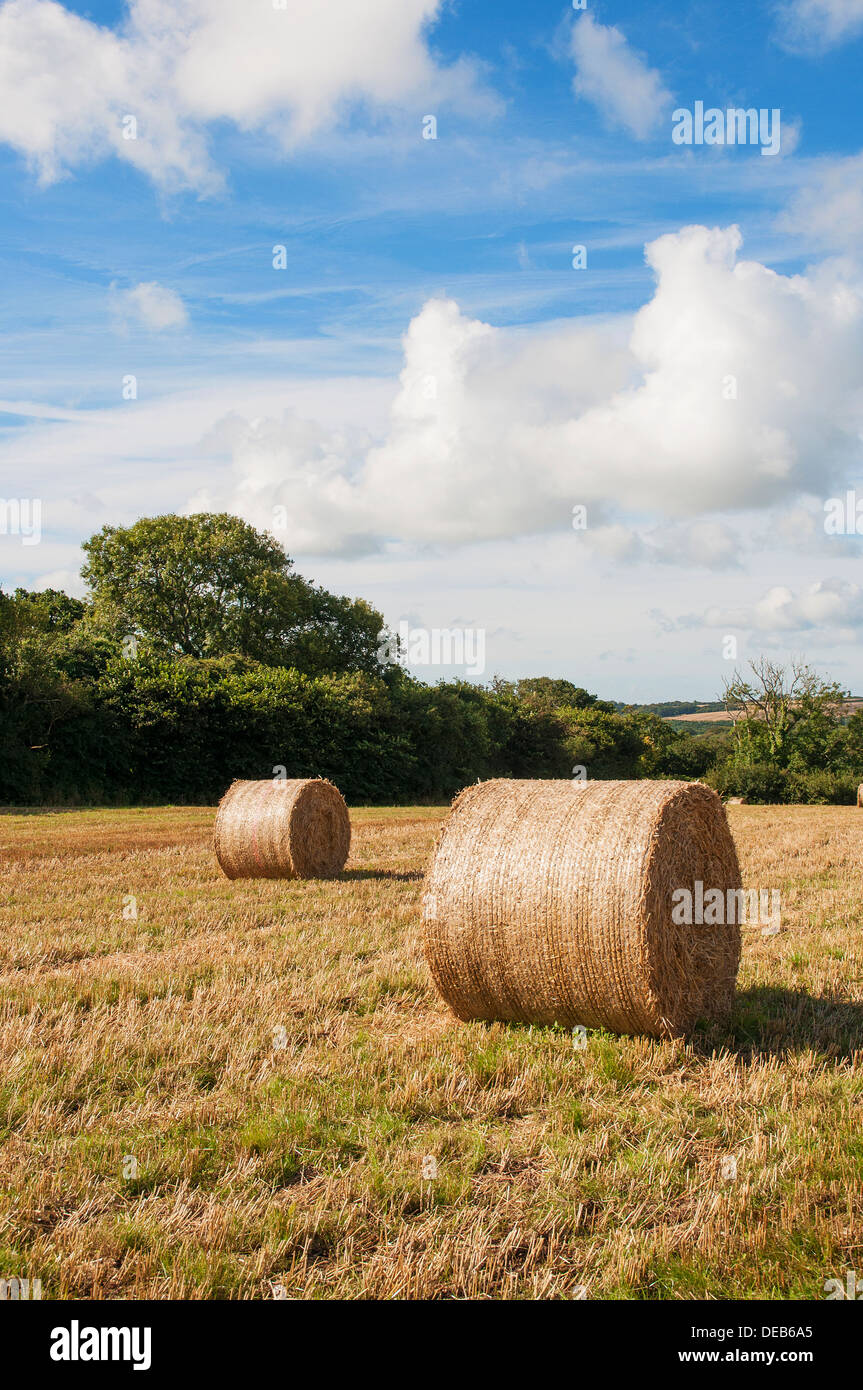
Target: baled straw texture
{"x": 860, "y": 795}
{"x": 551, "y": 902}
{"x": 296, "y": 828}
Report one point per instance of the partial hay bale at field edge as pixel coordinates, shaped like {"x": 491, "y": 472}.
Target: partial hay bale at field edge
{"x": 736, "y": 801}
{"x": 860, "y": 795}
{"x": 551, "y": 902}
{"x": 291, "y": 828}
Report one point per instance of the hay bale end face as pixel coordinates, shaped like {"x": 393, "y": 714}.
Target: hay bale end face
{"x": 291, "y": 828}
{"x": 552, "y": 902}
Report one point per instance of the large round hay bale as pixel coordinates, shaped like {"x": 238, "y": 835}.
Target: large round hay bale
{"x": 291, "y": 828}
{"x": 860, "y": 795}
{"x": 551, "y": 902}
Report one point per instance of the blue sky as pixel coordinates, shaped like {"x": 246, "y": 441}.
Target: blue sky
{"x": 298, "y": 388}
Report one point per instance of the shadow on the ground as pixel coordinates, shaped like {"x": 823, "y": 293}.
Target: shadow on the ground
{"x": 358, "y": 874}
{"x": 769, "y": 1020}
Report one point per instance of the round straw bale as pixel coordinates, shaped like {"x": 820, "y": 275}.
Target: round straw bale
{"x": 551, "y": 902}
{"x": 291, "y": 828}
{"x": 860, "y": 795}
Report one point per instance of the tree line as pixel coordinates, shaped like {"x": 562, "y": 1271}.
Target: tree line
{"x": 200, "y": 655}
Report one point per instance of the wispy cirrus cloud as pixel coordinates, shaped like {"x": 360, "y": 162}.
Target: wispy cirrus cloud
{"x": 816, "y": 25}
{"x": 616, "y": 79}
{"x": 699, "y": 544}
{"x": 827, "y": 209}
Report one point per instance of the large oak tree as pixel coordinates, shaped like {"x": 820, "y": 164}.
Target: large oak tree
{"x": 210, "y": 584}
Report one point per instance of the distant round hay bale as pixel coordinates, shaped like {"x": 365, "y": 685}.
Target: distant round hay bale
{"x": 551, "y": 902}
{"x": 860, "y": 795}
{"x": 291, "y": 828}
{"x": 737, "y": 801}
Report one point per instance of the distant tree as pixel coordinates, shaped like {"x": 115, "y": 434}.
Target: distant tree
{"x": 854, "y": 742}
{"x": 35, "y": 694}
{"x": 545, "y": 692}
{"x": 8, "y": 633}
{"x": 326, "y": 633}
{"x": 210, "y": 584}
{"x": 50, "y": 608}
{"x": 781, "y": 712}
{"x": 605, "y": 743}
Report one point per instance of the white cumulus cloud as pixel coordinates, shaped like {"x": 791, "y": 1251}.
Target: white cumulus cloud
{"x": 733, "y": 388}
{"x": 828, "y": 605}
{"x": 152, "y": 305}
{"x": 68, "y": 87}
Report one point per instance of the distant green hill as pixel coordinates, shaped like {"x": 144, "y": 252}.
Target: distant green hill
{"x": 667, "y": 709}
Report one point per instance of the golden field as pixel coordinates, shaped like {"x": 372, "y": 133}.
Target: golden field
{"x": 235, "y": 1093}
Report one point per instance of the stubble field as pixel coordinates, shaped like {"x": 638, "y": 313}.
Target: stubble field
{"x": 217, "y": 1090}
